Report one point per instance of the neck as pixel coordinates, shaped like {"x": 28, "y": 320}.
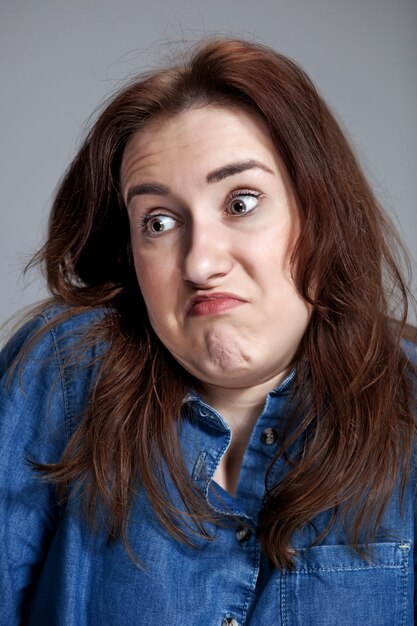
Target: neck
{"x": 240, "y": 407}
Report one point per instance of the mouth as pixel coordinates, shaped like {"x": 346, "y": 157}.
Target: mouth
{"x": 213, "y": 304}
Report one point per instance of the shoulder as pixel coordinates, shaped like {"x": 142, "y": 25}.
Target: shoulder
{"x": 51, "y": 333}
{"x": 47, "y": 370}
{"x": 47, "y": 330}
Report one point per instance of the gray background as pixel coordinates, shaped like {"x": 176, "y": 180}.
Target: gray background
{"x": 59, "y": 59}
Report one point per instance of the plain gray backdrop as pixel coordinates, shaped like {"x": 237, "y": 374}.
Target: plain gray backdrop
{"x": 60, "y": 59}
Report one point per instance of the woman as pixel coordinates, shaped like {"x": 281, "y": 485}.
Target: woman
{"x": 212, "y": 422}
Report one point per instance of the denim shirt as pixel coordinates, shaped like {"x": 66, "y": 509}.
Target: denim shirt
{"x": 55, "y": 571}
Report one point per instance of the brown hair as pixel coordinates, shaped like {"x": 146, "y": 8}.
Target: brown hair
{"x": 352, "y": 396}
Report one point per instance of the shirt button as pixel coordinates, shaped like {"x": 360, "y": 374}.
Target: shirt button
{"x": 269, "y": 436}
{"x": 243, "y": 533}
{"x": 229, "y": 621}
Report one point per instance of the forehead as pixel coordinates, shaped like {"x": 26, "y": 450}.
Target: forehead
{"x": 198, "y": 139}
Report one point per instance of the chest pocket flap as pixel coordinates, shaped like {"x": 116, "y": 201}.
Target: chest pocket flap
{"x": 332, "y": 585}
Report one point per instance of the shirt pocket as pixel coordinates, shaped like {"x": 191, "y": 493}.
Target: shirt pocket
{"x": 332, "y": 585}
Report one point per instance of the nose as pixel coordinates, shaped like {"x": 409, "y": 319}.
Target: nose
{"x": 207, "y": 255}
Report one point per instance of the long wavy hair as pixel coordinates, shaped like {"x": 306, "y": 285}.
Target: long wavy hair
{"x": 352, "y": 396}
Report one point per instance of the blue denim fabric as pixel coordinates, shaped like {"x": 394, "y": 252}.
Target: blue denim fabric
{"x": 55, "y": 571}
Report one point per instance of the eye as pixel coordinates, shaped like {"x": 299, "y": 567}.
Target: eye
{"x": 243, "y": 202}
{"x": 155, "y": 225}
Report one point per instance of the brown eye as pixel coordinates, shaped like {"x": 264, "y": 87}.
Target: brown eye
{"x": 155, "y": 225}
{"x": 242, "y": 204}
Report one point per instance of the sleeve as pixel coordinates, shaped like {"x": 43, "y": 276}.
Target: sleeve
{"x": 32, "y": 428}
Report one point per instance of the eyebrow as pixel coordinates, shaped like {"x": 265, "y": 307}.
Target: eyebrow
{"x": 236, "y": 168}
{"x": 215, "y": 176}
{"x": 154, "y": 189}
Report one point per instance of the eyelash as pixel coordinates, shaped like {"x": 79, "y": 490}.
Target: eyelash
{"x": 145, "y": 219}
{"x": 243, "y": 192}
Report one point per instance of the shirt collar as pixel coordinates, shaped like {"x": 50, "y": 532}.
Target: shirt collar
{"x": 282, "y": 388}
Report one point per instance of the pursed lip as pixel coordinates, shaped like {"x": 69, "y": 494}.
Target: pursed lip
{"x": 221, "y": 301}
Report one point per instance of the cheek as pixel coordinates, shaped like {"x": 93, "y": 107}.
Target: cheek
{"x": 157, "y": 285}
{"x": 148, "y": 280}
{"x": 277, "y": 277}
{"x": 273, "y": 259}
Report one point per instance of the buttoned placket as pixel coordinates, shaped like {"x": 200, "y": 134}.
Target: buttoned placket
{"x": 244, "y": 508}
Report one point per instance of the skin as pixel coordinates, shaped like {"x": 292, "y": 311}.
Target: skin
{"x": 239, "y": 346}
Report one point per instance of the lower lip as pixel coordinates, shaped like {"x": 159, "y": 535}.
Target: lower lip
{"x": 214, "y": 306}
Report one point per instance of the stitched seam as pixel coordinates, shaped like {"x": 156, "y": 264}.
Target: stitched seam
{"x": 63, "y": 379}
{"x": 404, "y": 583}
{"x": 344, "y": 569}
{"x": 283, "y": 599}
{"x": 216, "y": 459}
{"x": 252, "y": 584}
{"x": 199, "y": 465}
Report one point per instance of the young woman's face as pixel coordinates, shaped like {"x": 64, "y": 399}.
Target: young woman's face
{"x": 213, "y": 221}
